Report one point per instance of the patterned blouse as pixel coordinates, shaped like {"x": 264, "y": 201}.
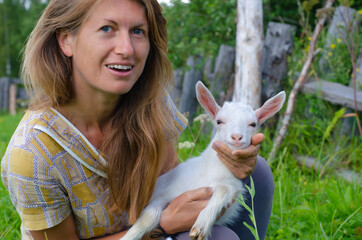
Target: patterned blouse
{"x": 51, "y": 170}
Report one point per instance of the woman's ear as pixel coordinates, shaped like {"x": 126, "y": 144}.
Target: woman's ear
{"x": 65, "y": 43}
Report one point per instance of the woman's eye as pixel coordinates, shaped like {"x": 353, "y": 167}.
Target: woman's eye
{"x": 106, "y": 29}
{"x": 138, "y": 31}
{"x": 219, "y": 122}
{"x": 253, "y": 125}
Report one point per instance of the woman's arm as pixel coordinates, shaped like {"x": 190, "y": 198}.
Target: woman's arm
{"x": 66, "y": 230}
{"x": 182, "y": 212}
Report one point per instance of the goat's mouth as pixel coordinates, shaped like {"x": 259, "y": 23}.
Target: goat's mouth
{"x": 239, "y": 145}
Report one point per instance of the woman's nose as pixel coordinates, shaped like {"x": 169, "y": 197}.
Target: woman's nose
{"x": 124, "y": 45}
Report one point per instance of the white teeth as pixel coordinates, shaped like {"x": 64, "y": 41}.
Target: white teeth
{"x": 120, "y": 67}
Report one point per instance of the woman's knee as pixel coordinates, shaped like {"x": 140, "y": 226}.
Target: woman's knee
{"x": 263, "y": 178}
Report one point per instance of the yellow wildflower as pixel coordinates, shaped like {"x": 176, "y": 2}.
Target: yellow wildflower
{"x": 339, "y": 40}
{"x": 360, "y": 11}
{"x": 333, "y": 46}
{"x": 309, "y": 38}
{"x": 330, "y": 54}
{"x": 357, "y": 69}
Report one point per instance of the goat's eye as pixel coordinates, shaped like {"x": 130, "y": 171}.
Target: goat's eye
{"x": 218, "y": 122}
{"x": 252, "y": 125}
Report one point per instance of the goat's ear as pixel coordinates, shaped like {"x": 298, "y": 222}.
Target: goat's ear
{"x": 206, "y": 99}
{"x": 270, "y": 107}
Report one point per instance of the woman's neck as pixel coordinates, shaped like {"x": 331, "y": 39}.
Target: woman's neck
{"x": 90, "y": 116}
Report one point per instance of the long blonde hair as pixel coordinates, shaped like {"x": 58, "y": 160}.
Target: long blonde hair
{"x": 141, "y": 123}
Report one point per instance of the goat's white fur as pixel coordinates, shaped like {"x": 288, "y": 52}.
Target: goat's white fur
{"x": 235, "y": 129}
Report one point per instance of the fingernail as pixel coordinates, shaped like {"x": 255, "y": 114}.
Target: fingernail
{"x": 210, "y": 189}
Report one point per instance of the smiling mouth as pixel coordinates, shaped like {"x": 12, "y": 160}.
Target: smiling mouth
{"x": 120, "y": 68}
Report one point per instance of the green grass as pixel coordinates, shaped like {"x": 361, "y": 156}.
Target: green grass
{"x": 307, "y": 204}
{"x": 9, "y": 218}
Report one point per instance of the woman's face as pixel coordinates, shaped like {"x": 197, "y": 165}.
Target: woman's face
{"x": 110, "y": 50}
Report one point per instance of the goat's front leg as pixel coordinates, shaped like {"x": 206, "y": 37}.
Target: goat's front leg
{"x": 148, "y": 221}
{"x": 221, "y": 197}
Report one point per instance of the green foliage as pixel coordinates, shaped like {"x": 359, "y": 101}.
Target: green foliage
{"x": 194, "y": 140}
{"x": 16, "y": 23}
{"x": 241, "y": 200}
{"x": 9, "y": 218}
{"x": 306, "y": 207}
{"x": 199, "y": 28}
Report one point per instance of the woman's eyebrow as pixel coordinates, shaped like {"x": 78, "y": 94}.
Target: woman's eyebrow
{"x": 135, "y": 25}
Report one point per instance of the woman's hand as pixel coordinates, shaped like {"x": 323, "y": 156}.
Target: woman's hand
{"x": 240, "y": 162}
{"x": 182, "y": 212}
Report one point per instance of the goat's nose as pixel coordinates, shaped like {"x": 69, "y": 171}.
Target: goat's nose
{"x": 237, "y": 137}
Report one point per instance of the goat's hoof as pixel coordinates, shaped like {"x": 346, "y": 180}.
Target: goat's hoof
{"x": 196, "y": 234}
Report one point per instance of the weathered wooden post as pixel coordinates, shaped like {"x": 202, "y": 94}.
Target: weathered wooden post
{"x": 4, "y": 94}
{"x": 188, "y": 101}
{"x": 208, "y": 70}
{"x": 224, "y": 68}
{"x": 249, "y": 47}
{"x": 176, "y": 92}
{"x": 12, "y": 99}
{"x": 279, "y": 44}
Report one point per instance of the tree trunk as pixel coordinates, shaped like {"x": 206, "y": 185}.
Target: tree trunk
{"x": 249, "y": 47}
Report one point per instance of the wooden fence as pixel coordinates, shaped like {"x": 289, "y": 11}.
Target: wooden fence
{"x": 12, "y": 94}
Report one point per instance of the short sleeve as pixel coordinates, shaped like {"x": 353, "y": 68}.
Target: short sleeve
{"x": 179, "y": 120}
{"x": 39, "y": 198}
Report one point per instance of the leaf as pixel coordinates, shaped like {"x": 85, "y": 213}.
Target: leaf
{"x": 252, "y": 191}
{"x": 244, "y": 205}
{"x": 337, "y": 115}
{"x": 252, "y": 230}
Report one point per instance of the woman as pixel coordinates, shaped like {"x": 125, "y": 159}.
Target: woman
{"x": 100, "y": 128}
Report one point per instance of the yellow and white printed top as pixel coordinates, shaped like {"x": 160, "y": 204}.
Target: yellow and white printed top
{"x": 51, "y": 170}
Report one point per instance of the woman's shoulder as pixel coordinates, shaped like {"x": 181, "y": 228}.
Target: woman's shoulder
{"x": 28, "y": 141}
{"x": 179, "y": 120}
{"x": 28, "y": 126}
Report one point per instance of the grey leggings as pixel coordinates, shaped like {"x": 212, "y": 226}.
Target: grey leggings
{"x": 263, "y": 200}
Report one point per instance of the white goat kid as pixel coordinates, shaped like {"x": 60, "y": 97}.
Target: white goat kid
{"x": 236, "y": 123}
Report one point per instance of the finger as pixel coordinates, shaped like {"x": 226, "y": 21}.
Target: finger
{"x": 220, "y": 147}
{"x": 245, "y": 165}
{"x": 250, "y": 151}
{"x": 257, "y": 139}
{"x": 200, "y": 193}
{"x": 242, "y": 170}
{"x": 229, "y": 164}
